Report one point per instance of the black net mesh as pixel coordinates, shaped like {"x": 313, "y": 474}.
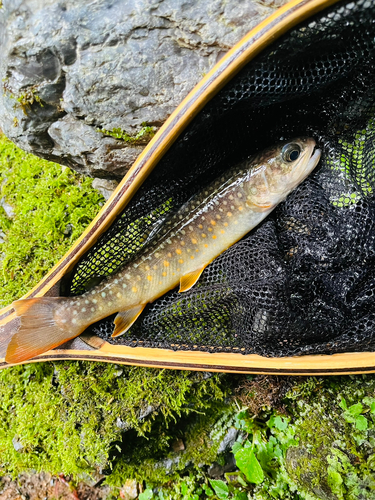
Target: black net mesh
{"x": 303, "y": 280}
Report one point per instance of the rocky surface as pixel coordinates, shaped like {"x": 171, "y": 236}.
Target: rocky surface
{"x": 70, "y": 69}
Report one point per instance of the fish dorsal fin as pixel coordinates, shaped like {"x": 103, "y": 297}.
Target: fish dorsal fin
{"x": 125, "y": 319}
{"x": 188, "y": 280}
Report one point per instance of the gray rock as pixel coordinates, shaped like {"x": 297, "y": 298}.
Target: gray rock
{"x": 228, "y": 440}
{"x": 105, "y": 187}
{"x": 9, "y": 210}
{"x": 17, "y": 445}
{"x": 71, "y": 68}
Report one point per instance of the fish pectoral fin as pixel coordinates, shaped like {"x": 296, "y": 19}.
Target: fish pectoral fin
{"x": 124, "y": 319}
{"x": 188, "y": 280}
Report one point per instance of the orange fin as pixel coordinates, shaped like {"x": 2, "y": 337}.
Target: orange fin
{"x": 125, "y": 319}
{"x": 92, "y": 340}
{"x": 38, "y": 332}
{"x": 188, "y": 280}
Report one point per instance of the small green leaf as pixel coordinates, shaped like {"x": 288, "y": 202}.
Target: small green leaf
{"x": 236, "y": 446}
{"x": 241, "y": 496}
{"x": 280, "y": 423}
{"x": 221, "y": 489}
{"x": 208, "y": 490}
{"x": 146, "y": 495}
{"x": 247, "y": 462}
{"x": 184, "y": 488}
{"x": 355, "y": 409}
{"x": 372, "y": 407}
{"x": 361, "y": 423}
{"x": 343, "y": 404}
{"x": 334, "y": 480}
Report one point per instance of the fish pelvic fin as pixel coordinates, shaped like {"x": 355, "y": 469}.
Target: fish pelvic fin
{"x": 39, "y": 331}
{"x": 188, "y": 280}
{"x": 124, "y": 319}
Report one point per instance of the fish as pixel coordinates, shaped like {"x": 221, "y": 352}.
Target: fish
{"x": 204, "y": 227}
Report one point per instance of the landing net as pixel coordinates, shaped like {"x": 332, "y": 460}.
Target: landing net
{"x": 303, "y": 281}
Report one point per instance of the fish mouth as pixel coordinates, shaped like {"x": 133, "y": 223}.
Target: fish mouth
{"x": 314, "y": 158}
{"x": 309, "y": 160}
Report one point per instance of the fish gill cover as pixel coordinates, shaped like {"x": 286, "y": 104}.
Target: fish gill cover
{"x": 301, "y": 282}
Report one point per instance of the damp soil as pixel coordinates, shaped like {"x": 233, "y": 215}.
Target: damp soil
{"x": 43, "y": 486}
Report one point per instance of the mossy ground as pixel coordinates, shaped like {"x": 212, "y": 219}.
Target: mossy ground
{"x": 305, "y": 439}
{"x": 51, "y": 207}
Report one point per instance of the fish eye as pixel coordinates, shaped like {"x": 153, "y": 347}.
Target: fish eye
{"x": 291, "y": 152}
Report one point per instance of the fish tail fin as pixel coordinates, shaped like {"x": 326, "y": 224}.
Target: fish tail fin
{"x": 39, "y": 331}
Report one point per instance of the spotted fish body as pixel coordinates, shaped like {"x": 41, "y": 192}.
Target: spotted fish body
{"x": 202, "y": 229}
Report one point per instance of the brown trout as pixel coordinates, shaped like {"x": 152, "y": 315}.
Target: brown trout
{"x": 202, "y": 229}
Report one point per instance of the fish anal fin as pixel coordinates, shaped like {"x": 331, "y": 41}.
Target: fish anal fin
{"x": 188, "y": 280}
{"x": 124, "y": 319}
{"x": 92, "y": 340}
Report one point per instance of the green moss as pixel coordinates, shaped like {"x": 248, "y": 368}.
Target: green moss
{"x": 142, "y": 137}
{"x": 70, "y": 417}
{"x": 336, "y": 433}
{"x": 152, "y": 459}
{"x": 51, "y": 207}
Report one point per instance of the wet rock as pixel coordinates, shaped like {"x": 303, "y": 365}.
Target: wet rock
{"x": 129, "y": 490}
{"x": 216, "y": 470}
{"x": 228, "y": 440}
{"x": 110, "y": 65}
{"x": 308, "y": 478}
{"x": 105, "y": 187}
{"x": 178, "y": 445}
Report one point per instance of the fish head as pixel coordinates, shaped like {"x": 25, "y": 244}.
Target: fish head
{"x": 280, "y": 169}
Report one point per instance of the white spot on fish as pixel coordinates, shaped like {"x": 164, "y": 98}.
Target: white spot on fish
{"x": 124, "y": 285}
{"x": 74, "y": 312}
{"x": 74, "y": 321}
{"x": 94, "y": 301}
{"x": 86, "y": 301}
{"x": 127, "y": 276}
{"x": 93, "y": 309}
{"x": 103, "y": 294}
{"x": 83, "y": 309}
